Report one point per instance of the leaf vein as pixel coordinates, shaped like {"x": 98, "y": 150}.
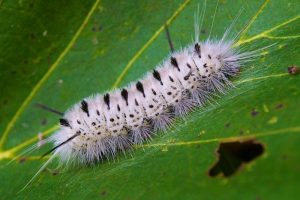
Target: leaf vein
{"x": 266, "y": 32}
{"x": 46, "y": 76}
{"x": 148, "y": 43}
{"x": 295, "y": 129}
{"x": 260, "y": 10}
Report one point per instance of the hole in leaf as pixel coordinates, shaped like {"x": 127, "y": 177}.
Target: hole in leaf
{"x": 232, "y": 155}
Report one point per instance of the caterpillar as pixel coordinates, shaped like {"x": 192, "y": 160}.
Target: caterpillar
{"x": 101, "y": 126}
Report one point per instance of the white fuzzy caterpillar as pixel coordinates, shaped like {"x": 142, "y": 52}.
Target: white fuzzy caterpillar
{"x": 100, "y": 126}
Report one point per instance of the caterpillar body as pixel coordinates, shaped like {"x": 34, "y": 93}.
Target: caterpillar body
{"x": 102, "y": 125}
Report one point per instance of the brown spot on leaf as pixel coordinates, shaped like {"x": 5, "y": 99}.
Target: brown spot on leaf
{"x": 5, "y": 101}
{"x": 53, "y": 172}
{"x": 279, "y": 106}
{"x": 254, "y": 112}
{"x": 31, "y": 5}
{"x": 232, "y": 155}
{"x": 293, "y": 69}
{"x": 32, "y": 36}
{"x": 22, "y": 160}
{"x": 103, "y": 193}
{"x": 97, "y": 28}
{"x": 44, "y": 121}
{"x": 203, "y": 31}
{"x": 227, "y": 125}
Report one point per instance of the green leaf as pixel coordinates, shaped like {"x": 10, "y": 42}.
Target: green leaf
{"x": 58, "y": 52}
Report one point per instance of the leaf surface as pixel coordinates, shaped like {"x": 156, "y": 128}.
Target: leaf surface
{"x": 59, "y": 52}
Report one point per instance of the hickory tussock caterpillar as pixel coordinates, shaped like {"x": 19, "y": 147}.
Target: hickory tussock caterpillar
{"x": 100, "y": 126}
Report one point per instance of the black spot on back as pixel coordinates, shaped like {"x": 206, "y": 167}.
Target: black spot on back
{"x": 64, "y": 122}
{"x": 140, "y": 87}
{"x": 198, "y": 49}
{"x": 124, "y": 94}
{"x": 136, "y": 102}
{"x": 187, "y": 76}
{"x": 106, "y": 100}
{"x": 153, "y": 91}
{"x": 155, "y": 100}
{"x": 156, "y": 75}
{"x": 84, "y": 107}
{"x": 175, "y": 63}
